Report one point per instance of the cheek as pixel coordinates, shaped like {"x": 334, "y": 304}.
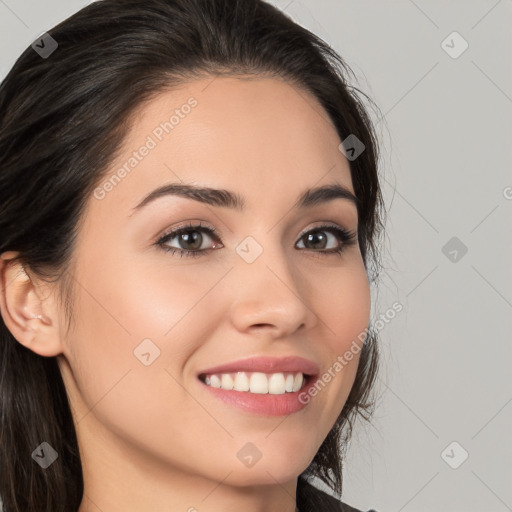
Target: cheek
{"x": 135, "y": 317}
{"x": 345, "y": 307}
{"x": 154, "y": 314}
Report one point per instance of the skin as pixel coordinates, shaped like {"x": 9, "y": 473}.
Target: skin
{"x": 151, "y": 437}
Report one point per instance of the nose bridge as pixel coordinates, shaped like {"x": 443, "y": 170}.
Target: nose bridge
{"x": 269, "y": 292}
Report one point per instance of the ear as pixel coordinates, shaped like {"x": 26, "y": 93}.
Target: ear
{"x": 28, "y": 308}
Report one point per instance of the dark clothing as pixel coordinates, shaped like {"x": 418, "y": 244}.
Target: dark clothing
{"x": 327, "y": 503}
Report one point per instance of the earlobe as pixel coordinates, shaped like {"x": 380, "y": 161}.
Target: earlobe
{"x": 31, "y": 319}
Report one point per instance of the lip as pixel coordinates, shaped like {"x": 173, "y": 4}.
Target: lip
{"x": 263, "y": 404}
{"x": 266, "y": 365}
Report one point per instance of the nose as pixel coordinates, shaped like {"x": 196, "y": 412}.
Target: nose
{"x": 270, "y": 295}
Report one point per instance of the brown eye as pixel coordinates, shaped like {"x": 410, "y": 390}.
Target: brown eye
{"x": 317, "y": 239}
{"x": 188, "y": 240}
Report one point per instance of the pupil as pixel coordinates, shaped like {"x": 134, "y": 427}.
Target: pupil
{"x": 315, "y": 236}
{"x": 195, "y": 240}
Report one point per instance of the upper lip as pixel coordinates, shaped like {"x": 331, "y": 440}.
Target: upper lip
{"x": 266, "y": 365}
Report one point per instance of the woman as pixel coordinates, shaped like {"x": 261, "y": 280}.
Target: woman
{"x": 189, "y": 219}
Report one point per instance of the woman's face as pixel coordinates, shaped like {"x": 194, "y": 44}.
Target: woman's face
{"x": 147, "y": 321}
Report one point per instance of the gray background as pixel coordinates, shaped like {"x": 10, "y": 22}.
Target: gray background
{"x": 446, "y": 137}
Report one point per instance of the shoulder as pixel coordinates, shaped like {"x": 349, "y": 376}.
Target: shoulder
{"x": 330, "y": 503}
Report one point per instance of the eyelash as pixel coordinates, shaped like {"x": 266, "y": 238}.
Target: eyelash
{"x": 348, "y": 238}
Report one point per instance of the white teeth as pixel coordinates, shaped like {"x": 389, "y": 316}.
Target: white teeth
{"x": 257, "y": 382}
{"x": 289, "y": 383}
{"x": 215, "y": 381}
{"x": 226, "y": 381}
{"x": 241, "y": 382}
{"x": 297, "y": 383}
{"x": 276, "y": 384}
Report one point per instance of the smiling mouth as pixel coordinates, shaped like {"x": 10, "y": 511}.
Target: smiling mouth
{"x": 277, "y": 383}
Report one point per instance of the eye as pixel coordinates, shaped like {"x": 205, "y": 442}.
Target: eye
{"x": 190, "y": 239}
{"x": 318, "y": 239}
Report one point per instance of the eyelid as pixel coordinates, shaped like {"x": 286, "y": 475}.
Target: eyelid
{"x": 322, "y": 224}
{"x": 189, "y": 225}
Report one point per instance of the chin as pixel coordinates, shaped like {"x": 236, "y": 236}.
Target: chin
{"x": 280, "y": 468}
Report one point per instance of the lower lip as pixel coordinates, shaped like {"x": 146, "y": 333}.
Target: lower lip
{"x": 263, "y": 404}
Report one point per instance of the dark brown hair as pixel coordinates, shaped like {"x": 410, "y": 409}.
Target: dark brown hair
{"x": 62, "y": 122}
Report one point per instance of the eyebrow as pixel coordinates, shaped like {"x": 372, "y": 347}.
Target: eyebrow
{"x": 227, "y": 199}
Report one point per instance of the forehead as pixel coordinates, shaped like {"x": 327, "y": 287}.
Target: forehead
{"x": 261, "y": 137}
